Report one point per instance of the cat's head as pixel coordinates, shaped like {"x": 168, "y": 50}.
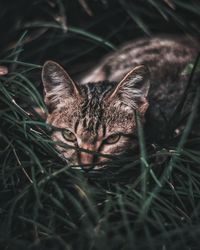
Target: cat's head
{"x": 99, "y": 118}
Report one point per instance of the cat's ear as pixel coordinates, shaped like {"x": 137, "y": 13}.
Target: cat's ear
{"x": 58, "y": 86}
{"x": 133, "y": 89}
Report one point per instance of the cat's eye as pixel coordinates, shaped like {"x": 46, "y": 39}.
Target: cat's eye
{"x": 113, "y": 139}
{"x": 68, "y": 135}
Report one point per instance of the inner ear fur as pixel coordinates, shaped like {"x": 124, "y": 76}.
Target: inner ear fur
{"x": 133, "y": 89}
{"x": 57, "y": 84}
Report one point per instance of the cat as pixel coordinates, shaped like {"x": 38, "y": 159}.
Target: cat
{"x": 98, "y": 113}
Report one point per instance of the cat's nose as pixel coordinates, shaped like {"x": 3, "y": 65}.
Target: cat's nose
{"x": 87, "y": 158}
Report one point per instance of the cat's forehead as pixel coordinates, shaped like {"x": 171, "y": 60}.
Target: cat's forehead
{"x": 93, "y": 113}
{"x": 96, "y": 107}
{"x": 97, "y": 89}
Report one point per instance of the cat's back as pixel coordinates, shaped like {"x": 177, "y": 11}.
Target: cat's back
{"x": 161, "y": 54}
{"x": 166, "y": 58}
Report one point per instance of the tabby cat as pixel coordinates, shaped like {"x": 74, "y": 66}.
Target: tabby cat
{"x": 98, "y": 113}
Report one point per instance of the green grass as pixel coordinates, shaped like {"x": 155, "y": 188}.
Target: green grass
{"x": 146, "y": 201}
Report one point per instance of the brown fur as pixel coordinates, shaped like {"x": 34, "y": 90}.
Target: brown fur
{"x": 96, "y": 113}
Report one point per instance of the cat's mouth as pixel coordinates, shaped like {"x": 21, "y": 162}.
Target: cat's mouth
{"x": 89, "y": 168}
{"x": 86, "y": 167}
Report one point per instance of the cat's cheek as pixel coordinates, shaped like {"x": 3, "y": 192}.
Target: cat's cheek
{"x": 117, "y": 148}
{"x": 65, "y": 152}
{"x": 70, "y": 156}
{"x": 125, "y": 146}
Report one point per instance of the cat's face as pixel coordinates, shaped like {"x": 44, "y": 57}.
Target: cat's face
{"x": 96, "y": 117}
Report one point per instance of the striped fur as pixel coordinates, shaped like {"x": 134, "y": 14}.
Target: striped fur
{"x": 118, "y": 87}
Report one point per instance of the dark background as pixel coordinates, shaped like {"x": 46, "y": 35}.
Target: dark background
{"x": 116, "y": 21}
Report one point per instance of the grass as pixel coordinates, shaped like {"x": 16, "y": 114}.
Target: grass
{"x": 146, "y": 201}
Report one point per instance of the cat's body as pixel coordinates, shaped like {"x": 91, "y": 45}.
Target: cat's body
{"x": 166, "y": 58}
{"x": 99, "y": 116}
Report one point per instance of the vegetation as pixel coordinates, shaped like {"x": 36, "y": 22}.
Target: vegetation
{"x": 146, "y": 201}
